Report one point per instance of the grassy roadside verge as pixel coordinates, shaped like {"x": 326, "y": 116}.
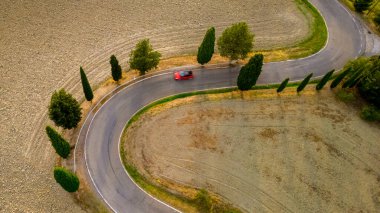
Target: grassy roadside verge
{"x": 368, "y": 18}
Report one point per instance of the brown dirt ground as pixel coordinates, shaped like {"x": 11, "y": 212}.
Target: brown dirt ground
{"x": 43, "y": 43}
{"x": 264, "y": 152}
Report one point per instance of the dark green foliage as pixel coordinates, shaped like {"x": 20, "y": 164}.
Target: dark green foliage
{"x": 369, "y": 86}
{"x": 236, "y": 41}
{"x": 143, "y": 58}
{"x": 250, "y": 72}
{"x": 352, "y": 81}
{"x": 203, "y": 201}
{"x": 370, "y": 113}
{"x": 362, "y": 5}
{"x": 283, "y": 85}
{"x": 324, "y": 80}
{"x": 86, "y": 86}
{"x": 115, "y": 68}
{"x": 304, "y": 83}
{"x": 61, "y": 146}
{"x": 68, "y": 180}
{"x": 64, "y": 110}
{"x": 339, "y": 78}
{"x": 206, "y": 50}
{"x": 376, "y": 19}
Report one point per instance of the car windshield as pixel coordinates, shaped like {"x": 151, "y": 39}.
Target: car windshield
{"x": 184, "y": 73}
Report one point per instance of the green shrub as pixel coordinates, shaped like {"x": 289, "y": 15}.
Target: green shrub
{"x": 64, "y": 110}
{"x": 370, "y": 113}
{"x": 376, "y": 19}
{"x": 206, "y": 49}
{"x": 282, "y": 85}
{"x": 345, "y": 96}
{"x": 324, "y": 80}
{"x": 362, "y": 5}
{"x": 304, "y": 83}
{"x": 61, "y": 146}
{"x": 203, "y": 201}
{"x": 68, "y": 180}
{"x": 369, "y": 86}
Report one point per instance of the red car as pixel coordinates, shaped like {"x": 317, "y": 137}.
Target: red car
{"x": 183, "y": 75}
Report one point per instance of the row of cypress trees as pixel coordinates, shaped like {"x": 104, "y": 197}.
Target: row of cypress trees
{"x": 351, "y": 82}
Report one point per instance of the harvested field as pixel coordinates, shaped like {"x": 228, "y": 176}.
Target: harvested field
{"x": 43, "y": 43}
{"x": 263, "y": 152}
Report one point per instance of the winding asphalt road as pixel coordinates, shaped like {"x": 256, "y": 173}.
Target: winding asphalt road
{"x": 103, "y": 126}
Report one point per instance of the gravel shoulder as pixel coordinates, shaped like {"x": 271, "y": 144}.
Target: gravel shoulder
{"x": 263, "y": 152}
{"x": 43, "y": 43}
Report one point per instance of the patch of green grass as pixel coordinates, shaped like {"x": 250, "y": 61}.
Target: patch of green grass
{"x": 345, "y": 95}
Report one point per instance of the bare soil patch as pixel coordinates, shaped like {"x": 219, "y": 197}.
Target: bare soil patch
{"x": 262, "y": 151}
{"x": 43, "y": 43}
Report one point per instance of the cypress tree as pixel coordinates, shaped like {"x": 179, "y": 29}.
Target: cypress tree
{"x": 61, "y": 146}
{"x": 351, "y": 82}
{"x": 115, "y": 68}
{"x": 339, "y": 78}
{"x": 206, "y": 50}
{"x": 304, "y": 83}
{"x": 324, "y": 80}
{"x": 250, "y": 72}
{"x": 283, "y": 85}
{"x": 68, "y": 180}
{"x": 86, "y": 86}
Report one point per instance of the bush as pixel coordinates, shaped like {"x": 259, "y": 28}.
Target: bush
{"x": 304, "y": 83}
{"x": 64, "y": 110}
{"x": 324, "y": 80}
{"x": 362, "y": 5}
{"x": 206, "y": 50}
{"x": 376, "y": 19}
{"x": 369, "y": 86}
{"x": 283, "y": 85}
{"x": 68, "y": 180}
{"x": 203, "y": 201}
{"x": 61, "y": 146}
{"x": 345, "y": 96}
{"x": 370, "y": 113}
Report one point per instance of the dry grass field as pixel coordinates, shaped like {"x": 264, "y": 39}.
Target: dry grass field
{"x": 263, "y": 152}
{"x": 43, "y": 43}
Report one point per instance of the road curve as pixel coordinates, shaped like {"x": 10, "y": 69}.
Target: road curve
{"x": 102, "y": 129}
